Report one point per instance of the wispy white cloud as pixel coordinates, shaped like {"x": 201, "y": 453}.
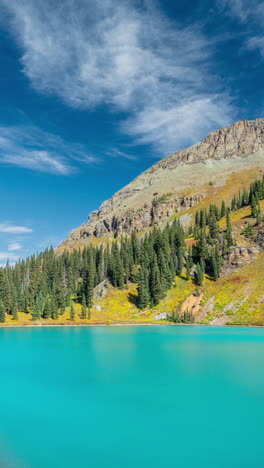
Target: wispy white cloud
{"x": 251, "y": 14}
{"x": 239, "y": 8}
{"x": 13, "y": 229}
{"x": 256, "y": 42}
{"x": 117, "y": 153}
{"x": 8, "y": 256}
{"x": 182, "y": 122}
{"x": 132, "y": 59}
{"x": 41, "y": 161}
{"x": 32, "y": 148}
{"x": 243, "y": 9}
{"x": 13, "y": 246}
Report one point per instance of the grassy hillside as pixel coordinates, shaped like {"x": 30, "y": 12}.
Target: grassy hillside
{"x": 236, "y": 298}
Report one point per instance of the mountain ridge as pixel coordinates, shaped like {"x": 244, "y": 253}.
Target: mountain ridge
{"x": 175, "y": 184}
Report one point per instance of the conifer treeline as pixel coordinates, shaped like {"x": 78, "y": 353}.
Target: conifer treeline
{"x": 45, "y": 284}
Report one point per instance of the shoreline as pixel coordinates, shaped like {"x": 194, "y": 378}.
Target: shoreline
{"x": 126, "y": 324}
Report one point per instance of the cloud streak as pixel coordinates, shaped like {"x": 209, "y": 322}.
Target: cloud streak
{"x": 133, "y": 60}
{"x": 13, "y": 229}
{"x": 8, "y": 256}
{"x": 13, "y": 246}
{"x": 32, "y": 148}
{"x": 251, "y": 14}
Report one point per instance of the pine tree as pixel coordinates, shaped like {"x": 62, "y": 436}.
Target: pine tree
{"x": 143, "y": 290}
{"x": 199, "y": 275}
{"x": 228, "y": 233}
{"x": 2, "y": 312}
{"x": 176, "y": 317}
{"x": 54, "y": 308}
{"x": 253, "y": 207}
{"x": 14, "y": 310}
{"x": 89, "y": 291}
{"x": 72, "y": 311}
{"x": 47, "y": 308}
{"x": 213, "y": 227}
{"x": 180, "y": 261}
{"x": 35, "y": 312}
{"x": 135, "y": 247}
{"x": 201, "y": 246}
{"x": 223, "y": 209}
{"x": 197, "y": 218}
{"x": 155, "y": 286}
{"x": 203, "y": 220}
{"x": 259, "y": 217}
{"x": 248, "y": 231}
{"x": 5, "y": 288}
{"x": 89, "y": 282}
{"x": 188, "y": 269}
{"x": 215, "y": 271}
{"x": 245, "y": 198}
{"x": 84, "y": 308}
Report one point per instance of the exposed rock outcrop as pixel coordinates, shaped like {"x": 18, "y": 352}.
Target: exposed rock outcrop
{"x": 238, "y": 257}
{"x": 175, "y": 183}
{"x": 260, "y": 236}
{"x": 132, "y": 220}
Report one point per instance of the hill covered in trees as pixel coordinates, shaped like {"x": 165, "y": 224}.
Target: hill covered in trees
{"x": 149, "y": 270}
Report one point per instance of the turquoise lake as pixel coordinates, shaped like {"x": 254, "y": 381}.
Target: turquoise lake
{"x": 132, "y": 397}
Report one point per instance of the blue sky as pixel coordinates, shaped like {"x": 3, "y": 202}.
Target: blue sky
{"x": 93, "y": 93}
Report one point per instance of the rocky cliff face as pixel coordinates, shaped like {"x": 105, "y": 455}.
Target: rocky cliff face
{"x": 176, "y": 183}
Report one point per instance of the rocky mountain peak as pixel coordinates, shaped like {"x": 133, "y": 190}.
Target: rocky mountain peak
{"x": 176, "y": 183}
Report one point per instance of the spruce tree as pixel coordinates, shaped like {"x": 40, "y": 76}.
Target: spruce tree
{"x": 197, "y": 218}
{"x": 54, "y": 308}
{"x": 180, "y": 261}
{"x": 253, "y": 207}
{"x": 5, "y": 288}
{"x": 89, "y": 291}
{"x": 155, "y": 286}
{"x": 47, "y": 308}
{"x": 72, "y": 311}
{"x": 203, "y": 220}
{"x": 223, "y": 209}
{"x": 15, "y": 310}
{"x": 89, "y": 281}
{"x": 199, "y": 275}
{"x": 84, "y": 308}
{"x": 2, "y": 312}
{"x": 228, "y": 233}
{"x": 201, "y": 246}
{"x": 213, "y": 227}
{"x": 143, "y": 290}
{"x": 188, "y": 269}
{"x": 215, "y": 271}
{"x": 35, "y": 312}
{"x": 259, "y": 217}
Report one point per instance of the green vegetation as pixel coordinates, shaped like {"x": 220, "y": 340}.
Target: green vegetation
{"x": 186, "y": 317}
{"x": 84, "y": 308}
{"x": 48, "y": 284}
{"x": 2, "y": 312}
{"x": 163, "y": 198}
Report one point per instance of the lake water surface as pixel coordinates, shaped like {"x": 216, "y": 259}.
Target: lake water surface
{"x": 132, "y": 397}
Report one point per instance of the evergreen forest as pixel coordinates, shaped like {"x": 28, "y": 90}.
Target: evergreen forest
{"x": 46, "y": 283}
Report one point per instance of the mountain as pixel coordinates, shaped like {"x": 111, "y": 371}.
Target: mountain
{"x": 214, "y": 169}
{"x": 195, "y": 254}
